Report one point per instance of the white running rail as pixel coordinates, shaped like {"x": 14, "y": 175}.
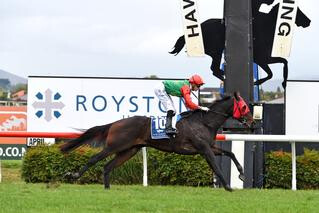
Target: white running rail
{"x": 277, "y": 138}
{"x": 220, "y": 137}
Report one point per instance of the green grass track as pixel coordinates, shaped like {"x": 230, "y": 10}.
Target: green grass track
{"x": 21, "y": 197}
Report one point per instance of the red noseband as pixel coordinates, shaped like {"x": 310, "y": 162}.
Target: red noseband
{"x": 240, "y": 108}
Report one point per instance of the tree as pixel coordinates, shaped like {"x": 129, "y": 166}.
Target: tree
{"x": 152, "y": 76}
{"x": 19, "y": 87}
{"x": 270, "y": 95}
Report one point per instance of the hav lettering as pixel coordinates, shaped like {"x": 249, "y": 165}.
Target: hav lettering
{"x": 192, "y": 29}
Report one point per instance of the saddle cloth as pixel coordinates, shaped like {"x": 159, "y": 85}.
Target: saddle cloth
{"x": 158, "y": 125}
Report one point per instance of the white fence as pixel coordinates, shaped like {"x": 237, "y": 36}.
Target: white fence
{"x": 278, "y": 138}
{"x": 227, "y": 137}
{"x": 260, "y": 138}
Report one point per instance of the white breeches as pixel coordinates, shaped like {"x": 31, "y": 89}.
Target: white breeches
{"x": 164, "y": 98}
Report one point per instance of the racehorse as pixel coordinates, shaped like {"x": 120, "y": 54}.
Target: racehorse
{"x": 196, "y": 135}
{"x": 213, "y": 31}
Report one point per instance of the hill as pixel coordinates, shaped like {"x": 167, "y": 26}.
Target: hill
{"x": 14, "y": 79}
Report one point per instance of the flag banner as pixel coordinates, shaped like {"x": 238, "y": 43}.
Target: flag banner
{"x": 192, "y": 28}
{"x": 284, "y": 28}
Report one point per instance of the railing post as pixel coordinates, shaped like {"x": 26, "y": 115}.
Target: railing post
{"x": 293, "y": 163}
{"x": 0, "y": 173}
{"x": 238, "y": 148}
{"x": 144, "y": 166}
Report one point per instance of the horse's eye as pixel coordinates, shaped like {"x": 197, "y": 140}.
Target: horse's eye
{"x": 243, "y": 109}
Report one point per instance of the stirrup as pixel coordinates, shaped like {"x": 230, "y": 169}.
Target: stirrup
{"x": 170, "y": 131}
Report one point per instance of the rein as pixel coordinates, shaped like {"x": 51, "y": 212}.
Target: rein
{"x": 219, "y": 113}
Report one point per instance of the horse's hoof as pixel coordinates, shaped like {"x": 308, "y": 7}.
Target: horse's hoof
{"x": 256, "y": 83}
{"x": 68, "y": 175}
{"x": 219, "y": 76}
{"x": 71, "y": 176}
{"x": 284, "y": 84}
{"x": 228, "y": 188}
{"x": 75, "y": 175}
{"x": 241, "y": 177}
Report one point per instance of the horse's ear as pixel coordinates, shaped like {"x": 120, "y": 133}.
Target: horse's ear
{"x": 237, "y": 95}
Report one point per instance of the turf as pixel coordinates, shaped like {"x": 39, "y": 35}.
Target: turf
{"x": 55, "y": 197}
{"x": 17, "y": 196}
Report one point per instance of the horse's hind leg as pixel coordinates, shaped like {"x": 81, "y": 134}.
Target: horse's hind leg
{"x": 117, "y": 161}
{"x": 92, "y": 161}
{"x": 215, "y": 66}
{"x": 219, "y": 151}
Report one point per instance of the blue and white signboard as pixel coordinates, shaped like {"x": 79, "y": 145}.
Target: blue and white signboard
{"x": 66, "y": 104}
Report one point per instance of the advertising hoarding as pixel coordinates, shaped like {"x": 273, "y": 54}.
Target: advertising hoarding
{"x": 302, "y": 107}
{"x": 69, "y": 104}
{"x": 12, "y": 118}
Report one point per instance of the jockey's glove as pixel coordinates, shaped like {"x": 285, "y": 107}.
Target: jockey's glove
{"x": 206, "y": 109}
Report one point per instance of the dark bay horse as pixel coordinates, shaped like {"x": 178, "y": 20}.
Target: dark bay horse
{"x": 213, "y": 31}
{"x": 196, "y": 135}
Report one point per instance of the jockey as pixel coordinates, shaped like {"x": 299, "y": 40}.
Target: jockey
{"x": 179, "y": 88}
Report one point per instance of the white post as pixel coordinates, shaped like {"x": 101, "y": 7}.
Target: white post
{"x": 0, "y": 173}
{"x": 238, "y": 148}
{"x": 144, "y": 166}
{"x": 293, "y": 159}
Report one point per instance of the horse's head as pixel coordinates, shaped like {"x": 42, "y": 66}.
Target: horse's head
{"x": 301, "y": 19}
{"x": 241, "y": 111}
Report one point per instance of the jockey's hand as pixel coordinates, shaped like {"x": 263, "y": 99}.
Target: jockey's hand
{"x": 206, "y": 109}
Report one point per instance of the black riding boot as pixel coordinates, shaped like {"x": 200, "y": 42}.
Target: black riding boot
{"x": 169, "y": 130}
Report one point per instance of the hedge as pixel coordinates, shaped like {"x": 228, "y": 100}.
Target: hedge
{"x": 278, "y": 170}
{"x": 47, "y": 164}
{"x": 173, "y": 169}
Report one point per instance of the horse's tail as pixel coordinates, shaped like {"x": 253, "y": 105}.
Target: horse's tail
{"x": 97, "y": 133}
{"x": 178, "y": 45}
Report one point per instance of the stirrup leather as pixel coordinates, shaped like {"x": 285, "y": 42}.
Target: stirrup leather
{"x": 170, "y": 131}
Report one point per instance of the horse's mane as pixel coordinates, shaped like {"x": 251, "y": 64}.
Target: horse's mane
{"x": 225, "y": 98}
{"x": 188, "y": 113}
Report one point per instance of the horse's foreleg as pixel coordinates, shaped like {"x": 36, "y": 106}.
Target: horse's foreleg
{"x": 284, "y": 83}
{"x": 211, "y": 160}
{"x": 215, "y": 66}
{"x": 117, "y": 161}
{"x": 275, "y": 60}
{"x": 219, "y": 151}
{"x": 285, "y": 73}
{"x": 267, "y": 69}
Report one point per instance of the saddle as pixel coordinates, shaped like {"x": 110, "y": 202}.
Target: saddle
{"x": 184, "y": 115}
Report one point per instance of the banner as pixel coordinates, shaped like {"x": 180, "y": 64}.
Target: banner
{"x": 67, "y": 104}
{"x": 302, "y": 107}
{"x": 12, "y": 151}
{"x": 284, "y": 28}
{"x": 13, "y": 118}
{"x": 192, "y": 28}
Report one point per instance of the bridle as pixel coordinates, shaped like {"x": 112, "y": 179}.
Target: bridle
{"x": 240, "y": 110}
{"x": 219, "y": 113}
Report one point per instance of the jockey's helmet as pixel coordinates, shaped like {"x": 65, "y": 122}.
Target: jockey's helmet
{"x": 196, "y": 79}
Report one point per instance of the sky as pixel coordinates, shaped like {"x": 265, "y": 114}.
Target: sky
{"x": 103, "y": 38}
